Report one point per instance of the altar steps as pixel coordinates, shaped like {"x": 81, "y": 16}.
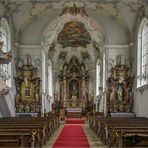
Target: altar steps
{"x": 74, "y": 121}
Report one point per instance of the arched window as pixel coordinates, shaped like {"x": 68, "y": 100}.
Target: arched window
{"x": 6, "y": 38}
{"x": 97, "y": 77}
{"x": 104, "y": 71}
{"x": 50, "y": 78}
{"x": 142, "y": 54}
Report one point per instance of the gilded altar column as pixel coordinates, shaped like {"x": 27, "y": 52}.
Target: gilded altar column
{"x": 61, "y": 90}
{"x": 83, "y": 86}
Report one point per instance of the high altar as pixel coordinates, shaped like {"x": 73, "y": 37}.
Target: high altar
{"x": 74, "y": 82}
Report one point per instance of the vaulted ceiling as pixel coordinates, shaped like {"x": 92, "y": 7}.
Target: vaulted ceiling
{"x": 26, "y": 11}
{"x": 116, "y": 18}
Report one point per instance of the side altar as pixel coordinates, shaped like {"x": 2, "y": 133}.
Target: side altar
{"x": 120, "y": 96}
{"x": 28, "y": 97}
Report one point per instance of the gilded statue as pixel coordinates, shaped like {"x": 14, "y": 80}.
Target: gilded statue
{"x": 91, "y": 96}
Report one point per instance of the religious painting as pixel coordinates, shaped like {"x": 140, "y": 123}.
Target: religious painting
{"x": 74, "y": 88}
{"x": 74, "y": 34}
{"x": 27, "y": 92}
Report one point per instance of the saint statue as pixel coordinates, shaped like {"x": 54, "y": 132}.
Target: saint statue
{"x": 120, "y": 93}
{"x": 56, "y": 98}
{"x": 91, "y": 97}
{"x": 74, "y": 90}
{"x": 113, "y": 93}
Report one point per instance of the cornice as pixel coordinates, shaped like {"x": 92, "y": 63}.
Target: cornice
{"x": 21, "y": 46}
{"x": 119, "y": 46}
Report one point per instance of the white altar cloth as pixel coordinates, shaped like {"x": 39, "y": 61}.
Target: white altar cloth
{"x": 74, "y": 109}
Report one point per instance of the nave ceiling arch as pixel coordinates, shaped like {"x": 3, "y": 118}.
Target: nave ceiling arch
{"x": 88, "y": 50}
{"x": 26, "y": 12}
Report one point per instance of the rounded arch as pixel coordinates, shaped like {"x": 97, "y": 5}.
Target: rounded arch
{"x": 142, "y": 53}
{"x": 52, "y": 30}
{"x": 141, "y": 26}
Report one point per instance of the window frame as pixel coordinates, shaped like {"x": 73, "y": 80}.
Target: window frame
{"x": 142, "y": 53}
{"x": 5, "y": 28}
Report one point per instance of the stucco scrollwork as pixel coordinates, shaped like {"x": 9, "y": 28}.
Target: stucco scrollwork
{"x": 52, "y": 31}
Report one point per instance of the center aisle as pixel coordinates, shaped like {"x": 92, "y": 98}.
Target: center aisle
{"x": 72, "y": 136}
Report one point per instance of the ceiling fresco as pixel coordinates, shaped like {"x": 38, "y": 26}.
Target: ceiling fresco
{"x": 25, "y": 11}
{"x": 74, "y": 39}
{"x": 74, "y": 34}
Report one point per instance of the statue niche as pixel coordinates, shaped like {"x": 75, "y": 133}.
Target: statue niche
{"x": 120, "y": 98}
{"x": 28, "y": 89}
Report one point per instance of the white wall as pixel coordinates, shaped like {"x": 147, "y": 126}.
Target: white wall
{"x": 141, "y": 103}
{"x": 34, "y": 51}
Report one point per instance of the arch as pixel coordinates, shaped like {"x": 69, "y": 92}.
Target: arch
{"x": 142, "y": 53}
{"x": 51, "y": 32}
{"x": 5, "y": 35}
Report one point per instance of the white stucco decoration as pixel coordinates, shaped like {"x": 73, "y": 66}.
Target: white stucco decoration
{"x": 51, "y": 32}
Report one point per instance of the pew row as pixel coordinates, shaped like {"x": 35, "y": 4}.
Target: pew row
{"x": 121, "y": 132}
{"x": 27, "y": 131}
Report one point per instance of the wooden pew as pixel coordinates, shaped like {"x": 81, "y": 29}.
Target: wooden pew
{"x": 27, "y": 132}
{"x": 119, "y": 131}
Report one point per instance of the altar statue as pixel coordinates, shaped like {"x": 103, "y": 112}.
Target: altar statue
{"x": 56, "y": 97}
{"x": 113, "y": 93}
{"x": 74, "y": 102}
{"x": 91, "y": 97}
{"x": 120, "y": 93}
{"x": 74, "y": 88}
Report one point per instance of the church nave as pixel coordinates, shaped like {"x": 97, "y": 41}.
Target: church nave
{"x": 73, "y": 73}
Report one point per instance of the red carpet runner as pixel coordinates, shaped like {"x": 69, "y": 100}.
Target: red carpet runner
{"x": 74, "y": 121}
{"x": 72, "y": 136}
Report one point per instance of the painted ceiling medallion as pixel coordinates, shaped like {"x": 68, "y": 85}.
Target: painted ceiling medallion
{"x": 74, "y": 10}
{"x": 74, "y": 34}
